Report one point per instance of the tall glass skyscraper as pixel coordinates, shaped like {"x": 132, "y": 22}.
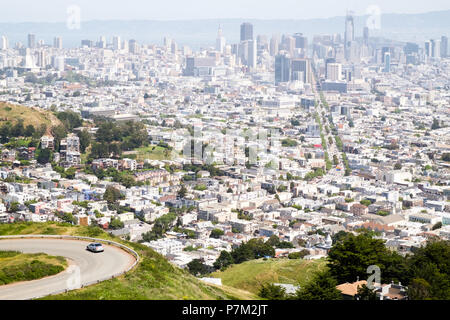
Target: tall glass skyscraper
{"x": 246, "y": 31}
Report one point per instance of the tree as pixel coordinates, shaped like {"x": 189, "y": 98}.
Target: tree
{"x": 116, "y": 224}
{"x": 223, "y": 261}
{"x": 70, "y": 119}
{"x": 29, "y": 131}
{"x": 435, "y": 124}
{"x": 432, "y": 264}
{"x": 44, "y": 156}
{"x": 273, "y": 241}
{"x": 18, "y": 129}
{"x": 419, "y": 289}
{"x": 216, "y": 233}
{"x": 196, "y": 267}
{"x": 446, "y": 157}
{"x": 365, "y": 293}
{"x": 438, "y": 225}
{"x": 85, "y": 140}
{"x": 70, "y": 173}
{"x": 285, "y": 245}
{"x": 298, "y": 255}
{"x": 322, "y": 287}
{"x": 349, "y": 259}
{"x": 398, "y": 166}
{"x": 182, "y": 192}
{"x": 14, "y": 207}
{"x": 111, "y": 195}
{"x": 272, "y": 292}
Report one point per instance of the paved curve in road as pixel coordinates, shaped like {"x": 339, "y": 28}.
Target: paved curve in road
{"x": 93, "y": 266}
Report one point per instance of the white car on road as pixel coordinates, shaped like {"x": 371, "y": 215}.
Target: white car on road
{"x": 95, "y": 247}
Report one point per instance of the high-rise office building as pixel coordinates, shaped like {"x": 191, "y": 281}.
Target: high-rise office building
{"x": 31, "y": 41}
{"x": 301, "y": 41}
{"x": 282, "y": 67}
{"x": 174, "y": 47}
{"x": 262, "y": 43}
{"x": 57, "y": 42}
{"x": 444, "y": 47}
{"x": 87, "y": 43}
{"x": 428, "y": 49}
{"x": 117, "y": 45}
{"x": 274, "y": 45}
{"x": 435, "y": 48}
{"x": 383, "y": 53}
{"x": 220, "y": 41}
{"x": 387, "y": 62}
{"x": 4, "y": 45}
{"x": 288, "y": 44}
{"x": 349, "y": 35}
{"x": 334, "y": 71}
{"x": 133, "y": 46}
{"x": 252, "y": 54}
{"x": 366, "y": 36}
{"x": 327, "y": 61}
{"x": 101, "y": 42}
{"x": 301, "y": 70}
{"x": 246, "y": 31}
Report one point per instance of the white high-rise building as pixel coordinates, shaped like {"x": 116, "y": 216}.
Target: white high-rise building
{"x": 4, "y": 45}
{"x": 58, "y": 63}
{"x": 334, "y": 71}
{"x": 220, "y": 42}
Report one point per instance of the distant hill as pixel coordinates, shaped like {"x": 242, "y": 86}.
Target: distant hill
{"x": 30, "y": 115}
{"x": 202, "y": 33}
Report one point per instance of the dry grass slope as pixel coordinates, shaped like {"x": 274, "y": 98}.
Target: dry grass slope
{"x": 251, "y": 275}
{"x": 34, "y": 116}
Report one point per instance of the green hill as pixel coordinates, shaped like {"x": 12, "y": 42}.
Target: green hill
{"x": 251, "y": 275}
{"x": 153, "y": 279}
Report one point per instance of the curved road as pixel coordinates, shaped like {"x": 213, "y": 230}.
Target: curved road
{"x": 92, "y": 266}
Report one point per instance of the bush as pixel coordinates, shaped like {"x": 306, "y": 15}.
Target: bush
{"x": 28, "y": 271}
{"x": 272, "y": 292}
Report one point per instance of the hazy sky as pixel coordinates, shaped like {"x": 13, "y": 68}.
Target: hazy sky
{"x": 56, "y": 10}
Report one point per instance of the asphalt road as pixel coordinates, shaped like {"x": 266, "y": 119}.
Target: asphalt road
{"x": 92, "y": 266}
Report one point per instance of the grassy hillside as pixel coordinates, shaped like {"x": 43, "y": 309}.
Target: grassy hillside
{"x": 34, "y": 116}
{"x": 16, "y": 266}
{"x": 153, "y": 279}
{"x": 251, "y": 275}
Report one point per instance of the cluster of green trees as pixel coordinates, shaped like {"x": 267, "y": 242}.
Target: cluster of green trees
{"x": 8, "y": 131}
{"x": 125, "y": 178}
{"x": 253, "y": 249}
{"x": 426, "y": 271}
{"x": 113, "y": 138}
{"x": 213, "y": 171}
{"x": 160, "y": 227}
{"x": 289, "y": 143}
{"x": 314, "y": 174}
{"x": 112, "y": 195}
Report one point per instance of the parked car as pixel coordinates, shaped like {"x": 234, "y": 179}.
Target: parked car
{"x": 95, "y": 247}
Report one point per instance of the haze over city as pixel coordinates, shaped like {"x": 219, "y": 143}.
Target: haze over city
{"x": 55, "y": 11}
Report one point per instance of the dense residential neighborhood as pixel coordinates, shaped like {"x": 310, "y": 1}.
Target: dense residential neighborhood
{"x": 198, "y": 154}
